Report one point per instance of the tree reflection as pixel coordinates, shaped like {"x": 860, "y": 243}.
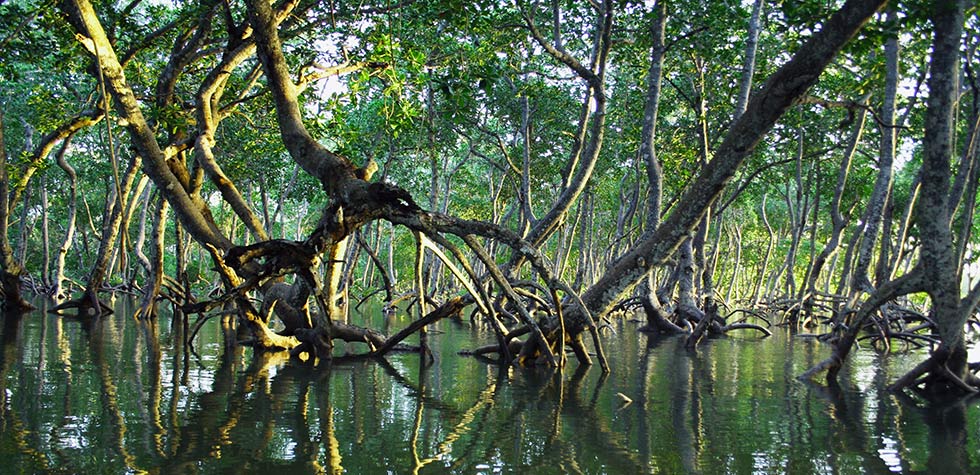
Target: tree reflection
{"x": 14, "y": 430}
{"x": 129, "y": 392}
{"x": 99, "y": 337}
{"x": 948, "y": 449}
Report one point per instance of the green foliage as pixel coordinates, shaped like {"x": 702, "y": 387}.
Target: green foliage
{"x": 439, "y": 100}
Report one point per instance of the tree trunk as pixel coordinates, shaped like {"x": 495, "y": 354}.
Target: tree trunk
{"x": 860, "y": 282}
{"x": 937, "y": 253}
{"x": 748, "y": 67}
{"x": 23, "y": 230}
{"x": 57, "y": 292}
{"x": 648, "y": 150}
{"x": 10, "y": 270}
{"x": 578, "y": 173}
{"x": 798, "y": 213}
{"x": 278, "y": 216}
{"x": 764, "y": 267}
{"x": 148, "y": 306}
{"x": 735, "y": 233}
{"x": 686, "y": 293}
{"x": 144, "y": 261}
{"x": 45, "y": 238}
{"x": 110, "y": 235}
{"x": 170, "y": 176}
{"x": 936, "y": 270}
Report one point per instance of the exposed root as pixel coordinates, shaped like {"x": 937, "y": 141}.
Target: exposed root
{"x": 318, "y": 341}
{"x": 934, "y": 372}
{"x": 748, "y": 326}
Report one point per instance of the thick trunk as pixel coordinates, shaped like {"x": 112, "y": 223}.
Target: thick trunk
{"x": 936, "y": 271}
{"x": 937, "y": 254}
{"x": 686, "y": 270}
{"x": 10, "y": 269}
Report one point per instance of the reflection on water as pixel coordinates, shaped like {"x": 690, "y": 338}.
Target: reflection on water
{"x": 118, "y": 396}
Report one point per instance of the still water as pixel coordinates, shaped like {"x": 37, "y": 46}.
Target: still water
{"x": 118, "y": 396}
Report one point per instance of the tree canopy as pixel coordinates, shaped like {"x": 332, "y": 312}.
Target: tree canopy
{"x": 718, "y": 166}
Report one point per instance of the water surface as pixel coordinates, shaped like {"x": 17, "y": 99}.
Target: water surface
{"x": 119, "y": 396}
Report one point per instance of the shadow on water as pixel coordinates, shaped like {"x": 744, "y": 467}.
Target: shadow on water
{"x": 116, "y": 395}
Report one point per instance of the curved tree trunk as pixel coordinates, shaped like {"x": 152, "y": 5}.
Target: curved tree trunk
{"x": 579, "y": 173}
{"x": 936, "y": 271}
{"x": 170, "y": 176}
{"x": 838, "y": 223}
{"x": 937, "y": 255}
{"x": 144, "y": 261}
{"x": 648, "y": 150}
{"x": 57, "y": 292}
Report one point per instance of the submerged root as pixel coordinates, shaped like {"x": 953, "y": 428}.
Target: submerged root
{"x": 86, "y": 306}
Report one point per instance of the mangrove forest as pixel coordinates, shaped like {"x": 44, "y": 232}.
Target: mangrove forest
{"x": 520, "y": 236}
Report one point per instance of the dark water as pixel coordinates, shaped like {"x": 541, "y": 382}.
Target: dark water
{"x": 118, "y": 397}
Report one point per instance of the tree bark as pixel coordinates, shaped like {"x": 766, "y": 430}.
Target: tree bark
{"x": 45, "y": 238}
{"x": 110, "y": 234}
{"x": 748, "y": 66}
{"x": 648, "y": 150}
{"x": 764, "y": 267}
{"x": 140, "y": 243}
{"x": 936, "y": 271}
{"x": 937, "y": 254}
{"x": 579, "y": 173}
